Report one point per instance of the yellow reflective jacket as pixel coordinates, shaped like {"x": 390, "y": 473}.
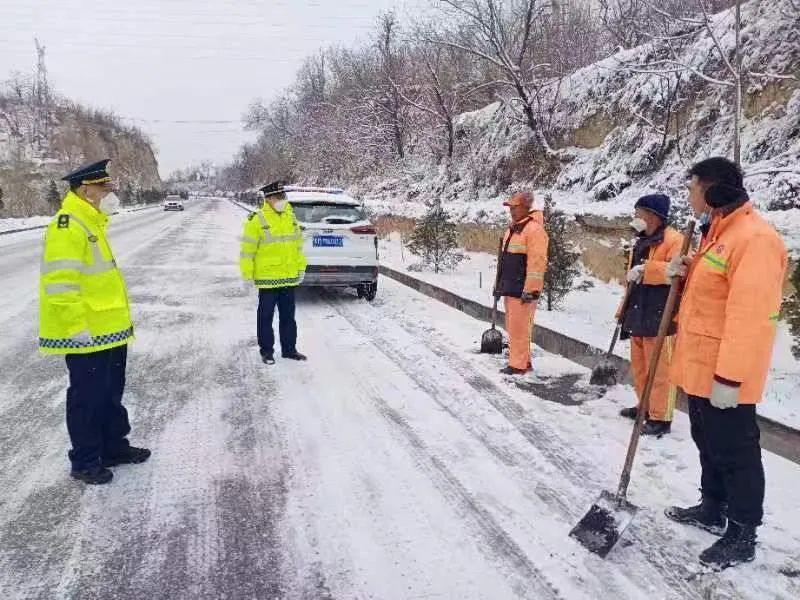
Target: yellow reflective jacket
{"x": 272, "y": 249}
{"x": 80, "y": 287}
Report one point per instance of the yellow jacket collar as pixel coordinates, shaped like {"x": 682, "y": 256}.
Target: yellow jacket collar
{"x": 82, "y": 209}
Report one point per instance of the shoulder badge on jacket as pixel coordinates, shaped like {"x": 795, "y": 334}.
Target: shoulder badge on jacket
{"x": 63, "y": 221}
{"x": 250, "y": 216}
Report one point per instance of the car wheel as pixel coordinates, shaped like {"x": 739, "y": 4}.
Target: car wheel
{"x": 370, "y": 291}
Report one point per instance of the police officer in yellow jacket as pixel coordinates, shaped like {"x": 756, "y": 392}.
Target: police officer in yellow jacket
{"x": 85, "y": 316}
{"x": 272, "y": 258}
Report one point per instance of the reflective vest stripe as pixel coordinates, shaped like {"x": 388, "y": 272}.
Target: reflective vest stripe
{"x": 535, "y": 275}
{"x": 247, "y": 240}
{"x": 278, "y": 239}
{"x": 101, "y": 340}
{"x": 100, "y": 264}
{"x": 263, "y": 220}
{"x": 278, "y": 282}
{"x": 61, "y": 288}
{"x": 247, "y": 255}
{"x": 61, "y": 265}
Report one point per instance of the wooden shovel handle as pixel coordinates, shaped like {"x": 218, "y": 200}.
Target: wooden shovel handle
{"x": 644, "y": 405}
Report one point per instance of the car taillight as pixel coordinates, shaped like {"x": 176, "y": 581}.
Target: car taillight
{"x": 364, "y": 230}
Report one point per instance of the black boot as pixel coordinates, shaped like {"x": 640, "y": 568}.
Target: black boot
{"x": 96, "y": 475}
{"x": 512, "y": 371}
{"x": 295, "y": 356}
{"x": 129, "y": 456}
{"x": 268, "y": 359}
{"x": 630, "y": 413}
{"x": 737, "y": 546}
{"x": 709, "y": 516}
{"x": 656, "y": 428}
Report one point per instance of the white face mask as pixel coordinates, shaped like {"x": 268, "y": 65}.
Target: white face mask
{"x": 639, "y": 224}
{"x": 279, "y": 206}
{"x": 110, "y": 204}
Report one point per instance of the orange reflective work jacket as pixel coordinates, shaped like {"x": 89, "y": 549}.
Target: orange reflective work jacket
{"x": 649, "y": 297}
{"x": 524, "y": 260}
{"x": 730, "y": 306}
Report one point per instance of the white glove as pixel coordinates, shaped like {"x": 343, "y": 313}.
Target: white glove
{"x": 677, "y": 267}
{"x": 301, "y": 277}
{"x": 724, "y": 396}
{"x": 84, "y": 338}
{"x": 636, "y": 274}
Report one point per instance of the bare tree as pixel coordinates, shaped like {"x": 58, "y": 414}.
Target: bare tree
{"x": 506, "y": 36}
{"x": 680, "y": 28}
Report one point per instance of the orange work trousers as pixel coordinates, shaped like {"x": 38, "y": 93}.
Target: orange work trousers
{"x": 663, "y": 395}
{"x": 519, "y": 325}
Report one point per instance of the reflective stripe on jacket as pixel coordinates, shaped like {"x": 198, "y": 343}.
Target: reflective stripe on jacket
{"x": 730, "y": 306}
{"x": 524, "y": 262}
{"x": 81, "y": 289}
{"x": 648, "y": 298}
{"x": 272, "y": 248}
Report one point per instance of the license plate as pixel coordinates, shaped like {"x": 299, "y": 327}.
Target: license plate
{"x": 328, "y": 241}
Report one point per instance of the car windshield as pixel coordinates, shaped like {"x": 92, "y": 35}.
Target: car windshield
{"x": 326, "y": 212}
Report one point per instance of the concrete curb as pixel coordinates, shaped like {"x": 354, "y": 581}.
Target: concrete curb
{"x": 776, "y": 437}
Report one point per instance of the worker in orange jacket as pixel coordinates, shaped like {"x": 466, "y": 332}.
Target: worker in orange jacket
{"x": 726, "y": 330}
{"x": 522, "y": 268}
{"x": 647, "y": 279}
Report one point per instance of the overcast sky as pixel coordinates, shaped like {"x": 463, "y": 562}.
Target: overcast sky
{"x": 157, "y": 62}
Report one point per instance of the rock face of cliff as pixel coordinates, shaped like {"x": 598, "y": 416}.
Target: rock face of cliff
{"x": 39, "y": 143}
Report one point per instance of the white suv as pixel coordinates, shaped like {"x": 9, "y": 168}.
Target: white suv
{"x": 340, "y": 243}
{"x": 173, "y": 202}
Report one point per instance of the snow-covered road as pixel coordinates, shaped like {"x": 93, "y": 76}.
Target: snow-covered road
{"x": 395, "y": 464}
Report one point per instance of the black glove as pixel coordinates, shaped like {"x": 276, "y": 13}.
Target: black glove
{"x": 529, "y": 297}
{"x": 496, "y": 294}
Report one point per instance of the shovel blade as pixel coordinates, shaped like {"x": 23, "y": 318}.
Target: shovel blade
{"x": 602, "y": 527}
{"x": 604, "y": 374}
{"x": 491, "y": 342}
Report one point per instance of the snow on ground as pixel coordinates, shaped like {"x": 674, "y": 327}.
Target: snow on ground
{"x": 396, "y": 464}
{"x": 589, "y": 316}
{"x": 12, "y": 224}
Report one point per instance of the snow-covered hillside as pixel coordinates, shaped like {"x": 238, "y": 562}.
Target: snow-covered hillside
{"x": 623, "y": 131}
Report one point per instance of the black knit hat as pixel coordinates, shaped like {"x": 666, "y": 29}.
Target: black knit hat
{"x": 658, "y": 204}
{"x": 726, "y": 179}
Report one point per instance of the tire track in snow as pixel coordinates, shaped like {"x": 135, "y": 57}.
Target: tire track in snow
{"x": 671, "y": 568}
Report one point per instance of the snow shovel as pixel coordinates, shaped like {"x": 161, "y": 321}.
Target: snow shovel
{"x": 606, "y": 373}
{"x": 492, "y": 340}
{"x": 608, "y": 518}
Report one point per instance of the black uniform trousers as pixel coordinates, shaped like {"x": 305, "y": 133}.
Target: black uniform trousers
{"x": 268, "y": 300}
{"x": 730, "y": 457}
{"x": 97, "y": 422}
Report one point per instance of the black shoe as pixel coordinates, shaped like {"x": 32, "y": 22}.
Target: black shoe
{"x": 737, "y": 546}
{"x": 95, "y": 475}
{"x": 656, "y": 428}
{"x": 294, "y": 356}
{"x": 709, "y": 516}
{"x": 513, "y": 371}
{"x": 630, "y": 413}
{"x": 129, "y": 456}
{"x": 268, "y": 359}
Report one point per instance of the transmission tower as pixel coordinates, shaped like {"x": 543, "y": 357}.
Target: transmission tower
{"x": 42, "y": 99}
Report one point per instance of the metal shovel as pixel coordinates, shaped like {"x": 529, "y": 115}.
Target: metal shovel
{"x": 492, "y": 339}
{"x": 608, "y": 518}
{"x": 605, "y": 373}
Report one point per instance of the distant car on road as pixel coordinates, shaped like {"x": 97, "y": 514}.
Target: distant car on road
{"x": 340, "y": 243}
{"x": 173, "y": 202}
